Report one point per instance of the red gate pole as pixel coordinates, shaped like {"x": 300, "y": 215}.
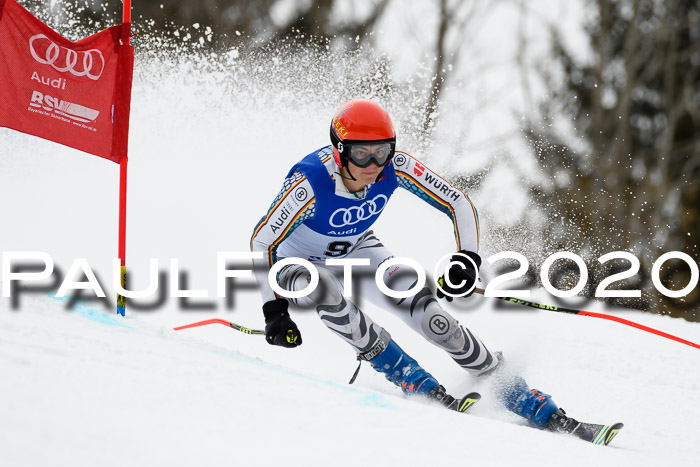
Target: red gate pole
{"x": 121, "y": 301}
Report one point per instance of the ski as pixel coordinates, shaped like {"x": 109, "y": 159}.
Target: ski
{"x": 439, "y": 394}
{"x": 466, "y": 402}
{"x": 597, "y": 434}
{"x": 606, "y": 433}
{"x": 591, "y": 432}
{"x": 459, "y": 405}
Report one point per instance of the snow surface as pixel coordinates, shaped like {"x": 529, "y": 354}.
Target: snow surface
{"x": 211, "y": 140}
{"x": 90, "y": 389}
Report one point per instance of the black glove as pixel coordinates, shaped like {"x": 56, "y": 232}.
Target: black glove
{"x": 279, "y": 327}
{"x": 463, "y": 272}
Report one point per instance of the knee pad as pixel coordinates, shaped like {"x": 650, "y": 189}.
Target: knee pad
{"x": 442, "y": 329}
{"x": 295, "y": 277}
{"x": 329, "y": 291}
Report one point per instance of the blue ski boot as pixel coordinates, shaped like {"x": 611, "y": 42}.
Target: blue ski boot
{"x": 532, "y": 404}
{"x": 536, "y": 406}
{"x": 403, "y": 371}
{"x": 518, "y": 398}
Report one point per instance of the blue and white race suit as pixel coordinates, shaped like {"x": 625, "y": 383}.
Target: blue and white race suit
{"x": 315, "y": 217}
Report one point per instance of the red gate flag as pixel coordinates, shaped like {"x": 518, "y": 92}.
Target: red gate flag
{"x": 74, "y": 93}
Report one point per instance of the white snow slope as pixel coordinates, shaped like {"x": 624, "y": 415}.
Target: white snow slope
{"x": 210, "y": 142}
{"x": 85, "y": 388}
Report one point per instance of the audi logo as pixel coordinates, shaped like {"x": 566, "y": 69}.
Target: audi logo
{"x": 64, "y": 59}
{"x": 352, "y": 215}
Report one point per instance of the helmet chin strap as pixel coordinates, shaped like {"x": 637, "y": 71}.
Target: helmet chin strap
{"x": 351, "y": 177}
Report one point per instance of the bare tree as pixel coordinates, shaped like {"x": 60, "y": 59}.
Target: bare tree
{"x": 628, "y": 177}
{"x": 457, "y": 23}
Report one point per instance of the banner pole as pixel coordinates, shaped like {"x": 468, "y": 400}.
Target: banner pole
{"x": 121, "y": 301}
{"x": 126, "y": 16}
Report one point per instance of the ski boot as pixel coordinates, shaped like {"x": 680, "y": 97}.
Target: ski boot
{"x": 517, "y": 397}
{"x": 536, "y": 406}
{"x": 540, "y": 409}
{"x": 402, "y": 370}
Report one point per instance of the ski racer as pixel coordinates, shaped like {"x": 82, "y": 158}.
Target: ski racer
{"x": 328, "y": 202}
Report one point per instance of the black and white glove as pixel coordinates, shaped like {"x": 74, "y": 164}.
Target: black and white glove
{"x": 462, "y": 275}
{"x": 279, "y": 327}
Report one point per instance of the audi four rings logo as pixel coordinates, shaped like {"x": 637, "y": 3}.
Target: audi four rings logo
{"x": 352, "y": 215}
{"x": 64, "y": 60}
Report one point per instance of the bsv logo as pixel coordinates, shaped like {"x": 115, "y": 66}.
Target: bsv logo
{"x": 350, "y": 216}
{"x": 89, "y": 63}
{"x": 70, "y": 110}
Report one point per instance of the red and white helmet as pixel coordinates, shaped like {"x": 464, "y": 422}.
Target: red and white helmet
{"x": 360, "y": 121}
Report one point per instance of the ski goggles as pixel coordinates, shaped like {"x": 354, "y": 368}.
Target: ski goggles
{"x": 362, "y": 153}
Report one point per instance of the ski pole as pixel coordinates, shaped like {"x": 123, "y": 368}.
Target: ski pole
{"x": 594, "y": 315}
{"x": 235, "y": 326}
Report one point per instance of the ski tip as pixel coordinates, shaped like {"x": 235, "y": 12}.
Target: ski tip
{"x": 607, "y": 434}
{"x": 466, "y": 402}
